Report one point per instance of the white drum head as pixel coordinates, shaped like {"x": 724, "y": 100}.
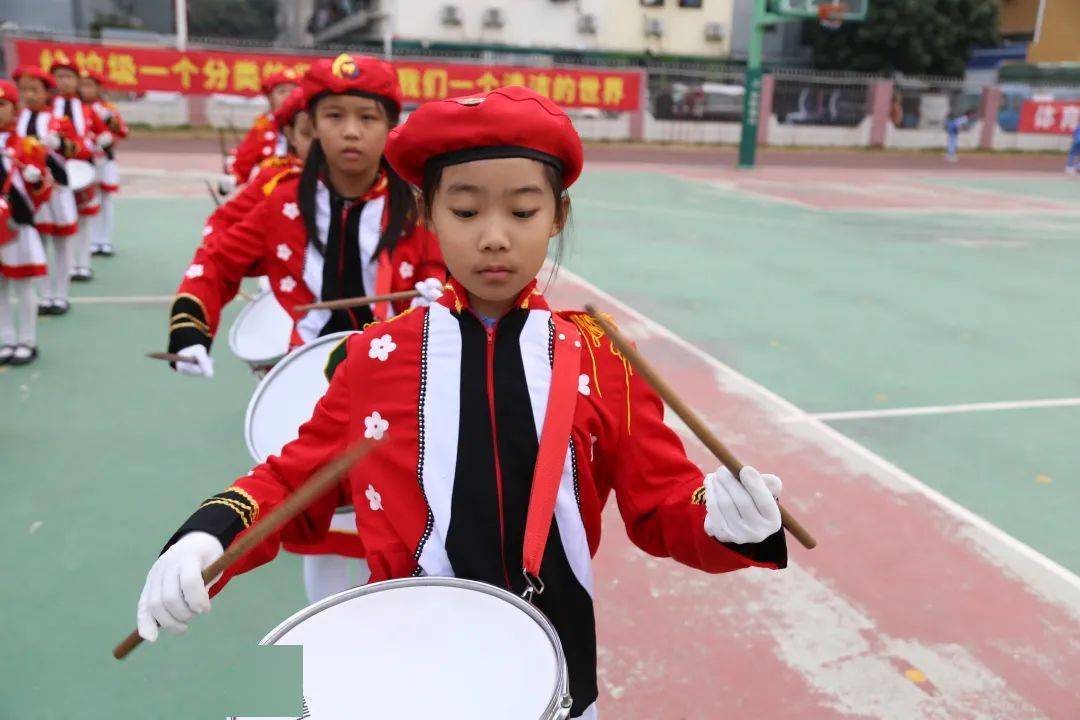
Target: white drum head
{"x": 80, "y": 173}
{"x": 285, "y": 398}
{"x": 424, "y": 648}
{"x": 260, "y": 334}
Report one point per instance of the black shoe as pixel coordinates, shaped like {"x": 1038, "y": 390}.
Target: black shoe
{"x": 44, "y": 308}
{"x": 24, "y": 355}
{"x": 82, "y": 275}
{"x": 103, "y": 250}
{"x": 6, "y": 351}
{"x": 60, "y": 307}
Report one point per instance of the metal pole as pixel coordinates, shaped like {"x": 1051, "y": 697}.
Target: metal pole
{"x": 388, "y": 35}
{"x": 181, "y": 25}
{"x": 752, "y": 93}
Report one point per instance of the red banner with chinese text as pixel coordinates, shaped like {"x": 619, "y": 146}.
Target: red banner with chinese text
{"x": 1059, "y": 117}
{"x": 195, "y": 72}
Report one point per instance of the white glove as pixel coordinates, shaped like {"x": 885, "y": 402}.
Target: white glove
{"x": 53, "y": 141}
{"x": 31, "y": 174}
{"x": 174, "y": 591}
{"x": 741, "y": 512}
{"x": 430, "y": 290}
{"x": 203, "y": 365}
{"x": 104, "y": 140}
{"x": 226, "y": 184}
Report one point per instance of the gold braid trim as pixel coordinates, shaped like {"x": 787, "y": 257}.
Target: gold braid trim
{"x": 247, "y": 496}
{"x": 177, "y": 326}
{"x": 240, "y": 510}
{"x": 198, "y": 301}
{"x": 698, "y": 496}
{"x": 273, "y": 182}
{"x": 593, "y": 333}
{"x": 187, "y": 320}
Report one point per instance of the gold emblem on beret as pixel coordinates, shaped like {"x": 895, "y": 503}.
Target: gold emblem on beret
{"x": 345, "y": 67}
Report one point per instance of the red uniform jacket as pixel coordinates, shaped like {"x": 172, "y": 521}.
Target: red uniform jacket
{"x": 110, "y": 116}
{"x": 456, "y": 408}
{"x": 82, "y": 126}
{"x": 273, "y": 238}
{"x": 260, "y": 143}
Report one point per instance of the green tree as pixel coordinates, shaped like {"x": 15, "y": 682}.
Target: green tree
{"x": 242, "y": 19}
{"x": 916, "y": 37}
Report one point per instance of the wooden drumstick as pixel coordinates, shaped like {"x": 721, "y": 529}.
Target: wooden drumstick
{"x": 317, "y": 485}
{"x": 691, "y": 418}
{"x": 171, "y": 357}
{"x": 345, "y": 303}
{"x": 247, "y": 296}
{"x": 213, "y": 195}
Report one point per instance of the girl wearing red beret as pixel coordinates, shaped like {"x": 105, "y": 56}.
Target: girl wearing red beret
{"x": 23, "y": 188}
{"x": 457, "y": 395}
{"x": 346, "y": 227}
{"x": 264, "y": 139}
{"x": 58, "y": 219}
{"x": 89, "y": 136}
{"x": 91, "y": 91}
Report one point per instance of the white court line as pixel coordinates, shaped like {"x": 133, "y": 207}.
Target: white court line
{"x": 948, "y": 505}
{"x": 940, "y": 409}
{"x": 123, "y": 299}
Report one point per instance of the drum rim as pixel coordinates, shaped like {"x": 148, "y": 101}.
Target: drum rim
{"x": 560, "y": 693}
{"x": 279, "y": 368}
{"x": 234, "y": 328}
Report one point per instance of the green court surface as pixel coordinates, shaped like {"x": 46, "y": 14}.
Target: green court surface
{"x": 104, "y": 452}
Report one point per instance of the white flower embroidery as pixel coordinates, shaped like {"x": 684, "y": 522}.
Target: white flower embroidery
{"x": 207, "y": 230}
{"x": 583, "y": 385}
{"x": 405, "y": 270}
{"x": 267, "y": 150}
{"x": 287, "y": 284}
{"x": 290, "y": 210}
{"x": 381, "y": 347}
{"x": 194, "y": 271}
{"x": 373, "y": 497}
{"x": 375, "y": 426}
{"x": 269, "y": 135}
{"x": 283, "y": 252}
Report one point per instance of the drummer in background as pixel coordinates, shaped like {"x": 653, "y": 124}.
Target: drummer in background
{"x": 58, "y": 219}
{"x": 346, "y": 227}
{"x": 26, "y": 187}
{"x": 264, "y": 139}
{"x": 454, "y": 397}
{"x": 91, "y": 91}
{"x": 92, "y": 136}
{"x": 295, "y": 124}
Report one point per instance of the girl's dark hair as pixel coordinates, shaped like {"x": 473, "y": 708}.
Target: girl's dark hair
{"x": 562, "y": 210}
{"x": 401, "y": 215}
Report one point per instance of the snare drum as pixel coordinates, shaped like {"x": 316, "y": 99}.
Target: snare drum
{"x": 286, "y": 397}
{"x": 80, "y": 173}
{"x": 260, "y": 334}
{"x": 428, "y": 647}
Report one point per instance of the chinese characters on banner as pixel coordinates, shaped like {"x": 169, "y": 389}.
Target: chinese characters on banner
{"x": 1060, "y": 117}
{"x": 139, "y": 69}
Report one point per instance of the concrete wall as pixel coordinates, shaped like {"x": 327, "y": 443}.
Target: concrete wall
{"x": 1018, "y": 16}
{"x": 1058, "y": 37}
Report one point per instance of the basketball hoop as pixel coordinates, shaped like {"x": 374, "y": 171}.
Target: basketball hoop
{"x": 831, "y": 15}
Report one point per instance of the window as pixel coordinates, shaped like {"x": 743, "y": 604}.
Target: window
{"x": 652, "y": 3}
{"x": 691, "y": 3}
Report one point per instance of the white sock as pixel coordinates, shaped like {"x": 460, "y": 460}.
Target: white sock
{"x": 7, "y": 321}
{"x": 106, "y": 218}
{"x": 59, "y": 280}
{"x": 24, "y": 291}
{"x": 83, "y": 238}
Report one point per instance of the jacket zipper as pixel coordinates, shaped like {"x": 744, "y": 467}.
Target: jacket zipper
{"x": 495, "y": 445}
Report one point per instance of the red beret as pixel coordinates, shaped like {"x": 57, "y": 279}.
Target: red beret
{"x": 34, "y": 72}
{"x": 281, "y": 77}
{"x": 359, "y": 74}
{"x": 94, "y": 75}
{"x": 293, "y": 104}
{"x": 508, "y": 122}
{"x": 61, "y": 60}
{"x": 9, "y": 92}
